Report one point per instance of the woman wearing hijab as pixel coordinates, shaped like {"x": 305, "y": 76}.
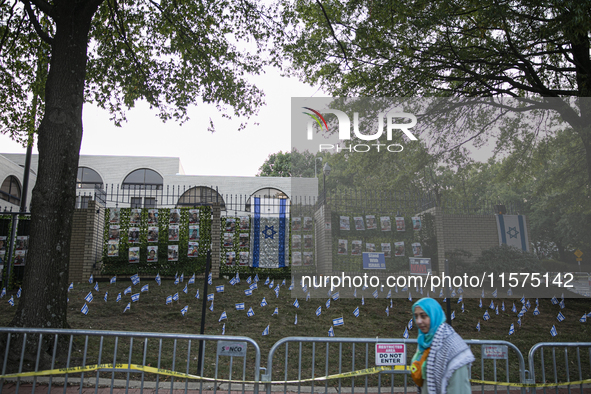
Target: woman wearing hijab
{"x": 441, "y": 363}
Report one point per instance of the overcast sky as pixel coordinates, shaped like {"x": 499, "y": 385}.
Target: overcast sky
{"x": 225, "y": 152}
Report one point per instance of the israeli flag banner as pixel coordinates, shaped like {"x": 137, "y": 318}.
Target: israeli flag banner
{"x": 277, "y": 293}
{"x": 175, "y": 296}
{"x": 240, "y": 306}
{"x": 96, "y": 288}
{"x": 127, "y": 291}
{"x": 106, "y": 294}
{"x": 445, "y": 299}
{"x": 84, "y": 309}
{"x": 11, "y": 301}
{"x": 276, "y": 311}
{"x": 560, "y": 316}
{"x": 553, "y": 331}
{"x": 250, "y": 312}
{"x": 453, "y": 293}
{"x": 503, "y": 306}
{"x": 186, "y": 289}
{"x": 492, "y": 305}
{"x": 318, "y": 311}
{"x": 441, "y": 293}
{"x": 460, "y": 299}
{"x": 144, "y": 288}
{"x": 263, "y": 302}
{"x": 283, "y": 282}
{"x": 128, "y": 307}
{"x": 512, "y": 230}
{"x": 522, "y": 300}
{"x": 388, "y": 311}
{"x": 497, "y": 309}
{"x": 135, "y": 297}
{"x": 210, "y": 279}
{"x": 89, "y": 297}
{"x": 192, "y": 279}
{"x": 118, "y": 297}
{"x": 510, "y": 292}
{"x": 512, "y": 329}
{"x": 135, "y": 279}
{"x": 396, "y": 288}
{"x": 460, "y": 290}
{"x": 266, "y": 330}
{"x": 270, "y": 237}
{"x": 356, "y": 312}
{"x": 338, "y": 322}
{"x": 272, "y": 284}
{"x": 237, "y": 278}
{"x": 391, "y": 304}
{"x": 331, "y": 332}
{"x": 168, "y": 299}
{"x": 71, "y": 287}
{"x": 528, "y": 304}
{"x": 462, "y": 307}
{"x": 389, "y": 294}
{"x": 296, "y": 303}
{"x": 211, "y": 306}
{"x": 223, "y": 316}
{"x": 537, "y": 303}
{"x": 410, "y": 296}
{"x": 219, "y": 289}
{"x": 561, "y": 304}
{"x": 248, "y": 292}
{"x": 91, "y": 279}
{"x": 158, "y": 280}
{"x": 197, "y": 294}
{"x": 296, "y": 319}
{"x": 184, "y": 310}
{"x": 305, "y": 288}
{"x": 519, "y": 322}
{"x": 210, "y": 297}
{"x": 113, "y": 280}
{"x": 327, "y": 303}
{"x": 486, "y": 316}
{"x": 290, "y": 287}
{"x": 405, "y": 335}
{"x": 307, "y": 296}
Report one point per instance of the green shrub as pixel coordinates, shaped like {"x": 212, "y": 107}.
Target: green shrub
{"x": 506, "y": 259}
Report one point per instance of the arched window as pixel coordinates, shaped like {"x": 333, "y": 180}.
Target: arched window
{"x": 11, "y": 190}
{"x": 143, "y": 179}
{"x": 88, "y": 178}
{"x": 200, "y": 195}
{"x": 270, "y": 199}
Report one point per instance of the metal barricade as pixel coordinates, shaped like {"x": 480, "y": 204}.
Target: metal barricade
{"x": 115, "y": 355}
{"x": 574, "y": 366}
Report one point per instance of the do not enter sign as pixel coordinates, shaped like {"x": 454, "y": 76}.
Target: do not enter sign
{"x": 390, "y": 354}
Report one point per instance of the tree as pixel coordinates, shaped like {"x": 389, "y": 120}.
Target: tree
{"x": 291, "y": 164}
{"x": 112, "y": 53}
{"x": 537, "y": 50}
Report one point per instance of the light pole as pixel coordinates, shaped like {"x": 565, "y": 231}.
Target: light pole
{"x": 325, "y": 171}
{"x": 317, "y": 158}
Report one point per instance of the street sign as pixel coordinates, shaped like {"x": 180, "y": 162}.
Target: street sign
{"x": 578, "y": 253}
{"x": 390, "y": 354}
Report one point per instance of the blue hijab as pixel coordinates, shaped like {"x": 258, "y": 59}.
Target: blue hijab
{"x": 435, "y": 313}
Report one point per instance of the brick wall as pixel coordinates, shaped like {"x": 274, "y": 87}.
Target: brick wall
{"x": 86, "y": 243}
{"x": 216, "y": 241}
{"x": 323, "y": 237}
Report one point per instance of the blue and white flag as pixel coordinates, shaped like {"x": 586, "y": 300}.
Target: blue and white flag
{"x": 460, "y": 299}
{"x": 405, "y": 288}
{"x": 237, "y": 278}
{"x": 482, "y": 294}
{"x": 554, "y": 300}
{"x": 560, "y": 316}
{"x": 175, "y": 296}
{"x": 113, "y": 280}
{"x": 182, "y": 277}
{"x": 219, "y": 289}
{"x": 290, "y": 287}
{"x": 553, "y": 331}
{"x": 211, "y": 306}
{"x": 253, "y": 286}
{"x": 405, "y": 335}
{"x": 396, "y": 288}
{"x": 232, "y": 281}
{"x": 528, "y": 304}
{"x": 453, "y": 315}
{"x": 444, "y": 300}
{"x": 362, "y": 300}
{"x": 462, "y": 307}
{"x": 267, "y": 281}
{"x": 503, "y": 306}
{"x": 210, "y": 297}
{"x": 118, "y": 297}
{"x": 186, "y": 289}
{"x": 391, "y": 304}
{"x": 519, "y": 322}
{"x": 409, "y": 325}
{"x": 486, "y": 316}
{"x": 96, "y": 288}
{"x": 135, "y": 297}
{"x": 389, "y": 295}
{"x": 11, "y": 301}
{"x": 537, "y": 303}
{"x": 441, "y": 293}
{"x": 480, "y": 303}
{"x": 168, "y": 299}
{"x": 91, "y": 279}
{"x": 512, "y": 329}
{"x": 296, "y": 303}
{"x": 276, "y": 311}
{"x": 331, "y": 332}
{"x": 296, "y": 319}
{"x": 71, "y": 287}
{"x": 106, "y": 294}
{"x": 250, "y": 312}
{"x": 494, "y": 293}
{"x": 127, "y": 291}
{"x": 270, "y": 237}
{"x": 89, "y": 297}
{"x": 388, "y": 311}
{"x": 492, "y": 305}
{"x": 478, "y": 326}
{"x": 240, "y": 306}
{"x": 283, "y": 282}
{"x": 318, "y": 311}
{"x": 197, "y": 294}
{"x": 409, "y": 296}
{"x": 192, "y": 280}
{"x": 266, "y": 330}
{"x": 327, "y": 303}
{"x": 510, "y": 292}
{"x": 264, "y": 302}
{"x": 84, "y": 309}
{"x": 536, "y": 311}
{"x": 513, "y": 309}
{"x": 144, "y": 288}
{"x": 338, "y": 322}
{"x": 522, "y": 300}
{"x": 135, "y": 279}
{"x": 210, "y": 279}
{"x": 277, "y": 293}
{"x": 512, "y": 230}
{"x": 497, "y": 309}
{"x": 356, "y": 312}
{"x": 128, "y": 307}
{"x": 248, "y": 292}
{"x": 184, "y": 310}
{"x": 249, "y": 280}
{"x": 176, "y": 280}
{"x": 561, "y": 304}
{"x": 223, "y": 316}
{"x": 19, "y": 292}
{"x": 224, "y": 329}
{"x": 453, "y": 294}
{"x": 375, "y": 294}
{"x": 583, "y": 319}
{"x": 329, "y": 293}
{"x": 157, "y": 279}
{"x": 335, "y": 296}
{"x": 460, "y": 290}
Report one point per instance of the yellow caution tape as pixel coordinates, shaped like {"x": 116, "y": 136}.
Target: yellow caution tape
{"x": 577, "y": 382}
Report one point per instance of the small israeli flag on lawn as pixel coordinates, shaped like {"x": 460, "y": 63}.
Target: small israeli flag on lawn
{"x": 536, "y": 311}
{"x": 267, "y": 281}
{"x": 318, "y": 311}
{"x": 277, "y": 293}
{"x": 510, "y": 292}
{"x": 296, "y": 303}
{"x": 405, "y": 288}
{"x": 233, "y": 281}
{"x": 276, "y": 311}
{"x": 176, "y": 280}
{"x": 127, "y": 291}
{"x": 240, "y": 306}
{"x": 486, "y": 316}
{"x": 554, "y": 300}
{"x": 250, "y": 312}
{"x": 223, "y": 316}
{"x": 175, "y": 296}
{"x": 186, "y": 289}
{"x": 453, "y": 293}
{"x": 513, "y": 309}
{"x": 560, "y": 316}
{"x": 118, "y": 297}
{"x": 219, "y": 289}
{"x": 184, "y": 310}
{"x": 211, "y": 306}
{"x": 210, "y": 297}
{"x": 492, "y": 305}
{"x": 91, "y": 279}
{"x": 197, "y": 294}
{"x": 253, "y": 286}
{"x": 89, "y": 297}
{"x": 409, "y": 325}
{"x": 338, "y": 322}
{"x": 561, "y": 304}
{"x": 522, "y": 300}
{"x": 71, "y": 287}
{"x": 296, "y": 319}
{"x": 583, "y": 319}
{"x": 444, "y": 300}
{"x": 113, "y": 280}
{"x": 327, "y": 303}
{"x": 356, "y": 312}
{"x": 512, "y": 329}
{"x": 224, "y": 329}
{"x": 553, "y": 331}
{"x": 248, "y": 292}
{"x": 84, "y": 309}
{"x": 335, "y": 296}
{"x": 441, "y": 293}
{"x": 168, "y": 299}
{"x": 135, "y": 279}
{"x": 290, "y": 287}
{"x": 494, "y": 293}
{"x": 375, "y": 294}
{"x": 182, "y": 277}
{"x": 503, "y": 306}
{"x": 460, "y": 299}
{"x": 144, "y": 288}
{"x": 283, "y": 282}
{"x": 478, "y": 326}
{"x": 157, "y": 279}
{"x": 210, "y": 279}
{"x": 128, "y": 307}
{"x": 391, "y": 304}
{"x": 19, "y": 291}
{"x": 106, "y": 294}
{"x": 329, "y": 293}
{"x": 363, "y": 288}
{"x": 480, "y": 303}
{"x": 135, "y": 297}
{"x": 497, "y": 309}
{"x": 331, "y": 332}
{"x": 256, "y": 277}
{"x": 388, "y": 311}
{"x": 3, "y": 293}
{"x": 389, "y": 295}
{"x": 405, "y": 335}
{"x": 410, "y": 296}
{"x": 396, "y": 288}
{"x": 96, "y": 288}
{"x": 362, "y": 300}
{"x": 519, "y": 322}
{"x": 266, "y": 331}
{"x": 237, "y": 278}
{"x": 11, "y": 301}
{"x": 482, "y": 294}
{"x": 453, "y": 315}
{"x": 192, "y": 279}
{"x": 264, "y": 302}
{"x": 249, "y": 280}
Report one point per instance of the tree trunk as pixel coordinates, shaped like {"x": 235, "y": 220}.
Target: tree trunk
{"x": 43, "y": 302}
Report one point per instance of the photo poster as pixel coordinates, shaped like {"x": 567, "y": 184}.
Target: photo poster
{"x": 308, "y": 223}
{"x": 387, "y": 250}
{"x": 152, "y": 234}
{"x": 399, "y": 249}
{"x": 308, "y": 241}
{"x": 342, "y": 249}
{"x": 135, "y": 217}
{"x": 371, "y": 223}
{"x": 230, "y": 225}
{"x": 417, "y": 251}
{"x": 244, "y": 240}
{"x": 244, "y": 223}
{"x": 193, "y": 250}
{"x": 2, "y": 258}
{"x": 152, "y": 254}
{"x": 296, "y": 259}
{"x": 22, "y": 242}
{"x": 114, "y": 232}
{"x": 113, "y": 248}
{"x": 152, "y": 217}
{"x": 356, "y": 248}
{"x": 369, "y": 247}
{"x": 173, "y": 232}
{"x": 193, "y": 232}
{"x": 133, "y": 235}
{"x": 193, "y": 216}
{"x": 243, "y": 259}
{"x": 230, "y": 258}
{"x": 175, "y": 216}
{"x": 296, "y": 241}
{"x": 359, "y": 225}
{"x": 386, "y": 223}
{"x": 19, "y": 258}
{"x": 134, "y": 254}
{"x": 173, "y": 253}
{"x": 114, "y": 215}
{"x": 308, "y": 261}
{"x": 416, "y": 223}
{"x": 400, "y": 225}
{"x": 344, "y": 223}
{"x": 228, "y": 240}
{"x": 296, "y": 223}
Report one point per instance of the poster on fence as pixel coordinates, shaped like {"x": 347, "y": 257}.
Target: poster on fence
{"x": 420, "y": 266}
{"x": 386, "y": 223}
{"x": 152, "y": 254}
{"x": 371, "y": 222}
{"x": 152, "y": 217}
{"x": 173, "y": 253}
{"x": 193, "y": 216}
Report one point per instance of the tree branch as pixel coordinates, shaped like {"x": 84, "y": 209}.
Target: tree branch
{"x": 43, "y": 6}
{"x": 332, "y": 31}
{"x": 42, "y": 34}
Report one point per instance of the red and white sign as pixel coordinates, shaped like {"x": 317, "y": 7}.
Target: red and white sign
{"x": 390, "y": 354}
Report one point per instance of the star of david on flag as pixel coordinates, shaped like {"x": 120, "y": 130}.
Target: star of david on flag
{"x": 453, "y": 293}
{"x": 338, "y": 322}
{"x": 135, "y": 279}
{"x": 237, "y": 278}
{"x": 219, "y": 289}
{"x": 168, "y": 299}
{"x": 210, "y": 297}
{"x": 409, "y": 325}
{"x": 327, "y": 303}
{"x": 270, "y": 237}
{"x": 233, "y": 281}
{"x": 266, "y": 331}
{"x": 460, "y": 290}
{"x": 554, "y": 300}
{"x": 276, "y": 290}
{"x": 84, "y": 309}
{"x": 249, "y": 280}
{"x": 135, "y": 297}
{"x": 492, "y": 305}
{"x": 175, "y": 296}
{"x": 250, "y": 312}
{"x": 375, "y": 294}
{"x": 240, "y": 306}
{"x": 522, "y": 300}
{"x": 118, "y": 297}
{"x": 528, "y": 304}
{"x": 536, "y": 311}
{"x": 562, "y": 306}
{"x": 512, "y": 231}
{"x": 184, "y": 310}
{"x": 283, "y": 282}
{"x": 223, "y": 316}
{"x": 248, "y": 292}
{"x": 96, "y": 288}
{"x": 304, "y": 288}
{"x": 253, "y": 286}
{"x": 113, "y": 280}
